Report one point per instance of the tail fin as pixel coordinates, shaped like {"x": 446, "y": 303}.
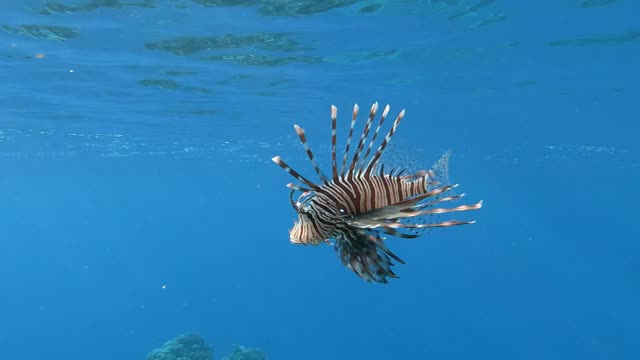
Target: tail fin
{"x": 438, "y": 175}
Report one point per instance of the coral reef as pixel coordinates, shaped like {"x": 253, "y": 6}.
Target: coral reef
{"x": 242, "y": 353}
{"x": 191, "y": 346}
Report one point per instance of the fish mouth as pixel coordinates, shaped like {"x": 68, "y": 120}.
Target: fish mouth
{"x": 293, "y": 240}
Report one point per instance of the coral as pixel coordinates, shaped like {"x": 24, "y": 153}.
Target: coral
{"x": 189, "y": 346}
{"x": 242, "y": 353}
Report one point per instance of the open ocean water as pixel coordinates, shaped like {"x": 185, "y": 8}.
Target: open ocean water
{"x": 139, "y": 202}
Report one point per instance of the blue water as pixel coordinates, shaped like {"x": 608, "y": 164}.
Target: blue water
{"x": 138, "y": 200}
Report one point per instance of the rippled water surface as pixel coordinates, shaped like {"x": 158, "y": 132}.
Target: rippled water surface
{"x": 138, "y": 200}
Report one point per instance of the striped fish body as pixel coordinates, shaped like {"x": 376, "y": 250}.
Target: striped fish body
{"x": 362, "y": 201}
{"x": 358, "y": 195}
{"x": 345, "y": 199}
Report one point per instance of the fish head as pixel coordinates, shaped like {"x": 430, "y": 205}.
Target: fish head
{"x": 304, "y": 230}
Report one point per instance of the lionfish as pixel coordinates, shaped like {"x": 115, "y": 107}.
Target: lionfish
{"x": 363, "y": 200}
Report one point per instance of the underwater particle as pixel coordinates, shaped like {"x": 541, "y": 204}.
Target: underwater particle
{"x": 163, "y": 287}
{"x": 39, "y": 56}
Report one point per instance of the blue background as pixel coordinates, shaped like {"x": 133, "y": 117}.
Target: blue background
{"x": 112, "y": 187}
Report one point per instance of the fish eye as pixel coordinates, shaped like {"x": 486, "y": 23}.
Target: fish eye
{"x": 306, "y": 214}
